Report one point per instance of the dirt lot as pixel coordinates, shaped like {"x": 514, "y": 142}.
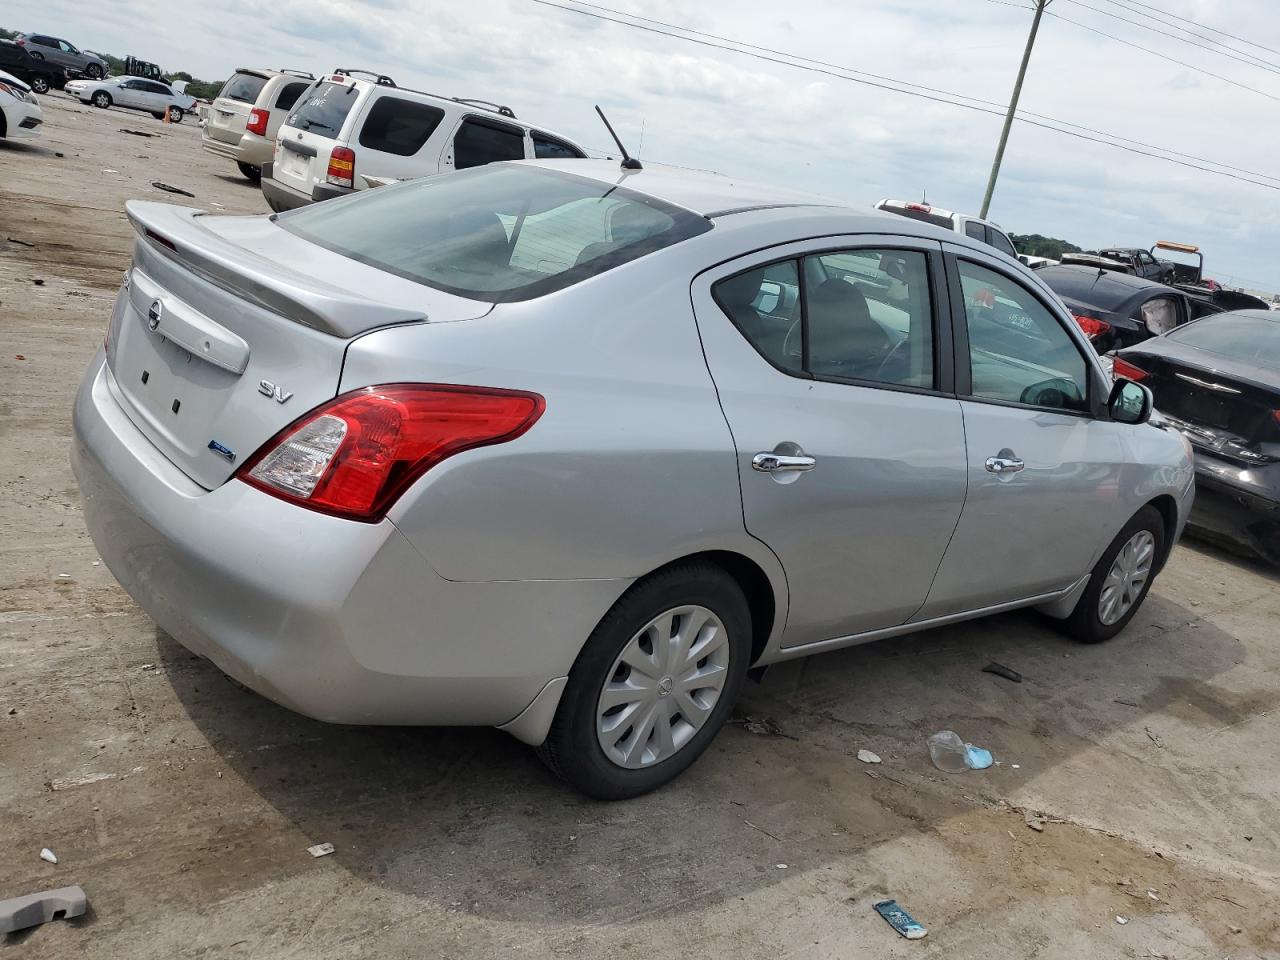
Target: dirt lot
{"x": 184, "y": 804}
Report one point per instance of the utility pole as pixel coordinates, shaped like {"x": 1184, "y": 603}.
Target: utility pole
{"x": 1013, "y": 108}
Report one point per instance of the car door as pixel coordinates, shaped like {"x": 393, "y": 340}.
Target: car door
{"x": 831, "y": 361}
{"x": 127, "y": 93}
{"x": 1044, "y": 465}
{"x": 70, "y": 56}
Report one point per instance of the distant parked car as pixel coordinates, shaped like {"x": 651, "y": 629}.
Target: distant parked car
{"x": 134, "y": 93}
{"x": 1117, "y": 309}
{"x": 61, "y": 53}
{"x": 354, "y": 125}
{"x": 1035, "y": 263}
{"x": 569, "y": 449}
{"x": 1132, "y": 260}
{"x": 39, "y": 75}
{"x": 984, "y": 231}
{"x": 20, "y": 113}
{"x": 1218, "y": 381}
{"x": 241, "y": 124}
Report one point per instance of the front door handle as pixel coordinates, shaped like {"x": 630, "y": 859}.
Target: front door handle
{"x": 782, "y": 463}
{"x": 1005, "y": 463}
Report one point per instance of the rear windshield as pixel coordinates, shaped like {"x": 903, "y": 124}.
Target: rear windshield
{"x": 495, "y": 233}
{"x": 1235, "y": 336}
{"x": 324, "y": 109}
{"x": 922, "y": 215}
{"x": 244, "y": 87}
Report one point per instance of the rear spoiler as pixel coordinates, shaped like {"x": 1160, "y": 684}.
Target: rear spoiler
{"x": 177, "y": 233}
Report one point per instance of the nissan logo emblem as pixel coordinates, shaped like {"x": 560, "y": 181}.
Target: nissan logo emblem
{"x": 153, "y": 315}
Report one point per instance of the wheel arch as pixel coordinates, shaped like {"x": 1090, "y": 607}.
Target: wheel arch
{"x": 1167, "y": 507}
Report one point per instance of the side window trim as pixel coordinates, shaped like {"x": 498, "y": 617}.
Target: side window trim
{"x": 960, "y": 341}
{"x": 940, "y": 296}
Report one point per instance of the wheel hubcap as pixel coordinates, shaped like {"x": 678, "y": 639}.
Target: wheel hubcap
{"x": 1128, "y": 575}
{"x": 663, "y": 687}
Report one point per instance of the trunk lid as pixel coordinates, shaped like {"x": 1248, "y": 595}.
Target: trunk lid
{"x": 1220, "y": 405}
{"x": 229, "y": 114}
{"x": 312, "y": 130}
{"x": 215, "y": 345}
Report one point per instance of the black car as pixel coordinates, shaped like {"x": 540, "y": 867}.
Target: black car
{"x": 39, "y": 75}
{"x": 1116, "y": 309}
{"x": 1218, "y": 382}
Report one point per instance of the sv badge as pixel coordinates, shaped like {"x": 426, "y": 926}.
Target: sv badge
{"x": 269, "y": 389}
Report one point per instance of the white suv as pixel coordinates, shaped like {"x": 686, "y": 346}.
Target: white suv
{"x": 984, "y": 231}
{"x": 242, "y": 123}
{"x": 349, "y": 133}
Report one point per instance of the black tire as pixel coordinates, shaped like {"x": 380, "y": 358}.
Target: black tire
{"x": 1085, "y": 623}
{"x": 101, "y": 100}
{"x": 572, "y": 749}
{"x": 93, "y": 71}
{"x": 40, "y": 83}
{"x": 175, "y": 115}
{"x": 36, "y": 54}
{"x": 250, "y": 171}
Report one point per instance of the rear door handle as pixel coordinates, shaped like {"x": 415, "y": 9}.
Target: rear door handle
{"x": 782, "y": 463}
{"x": 1005, "y": 463}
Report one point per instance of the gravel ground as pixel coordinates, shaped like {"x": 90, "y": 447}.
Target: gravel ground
{"x": 184, "y": 804}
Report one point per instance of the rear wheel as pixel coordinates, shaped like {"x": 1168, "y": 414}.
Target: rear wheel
{"x": 250, "y": 171}
{"x": 93, "y": 71}
{"x": 653, "y": 685}
{"x": 40, "y": 83}
{"x": 36, "y": 54}
{"x": 101, "y": 99}
{"x": 1120, "y": 580}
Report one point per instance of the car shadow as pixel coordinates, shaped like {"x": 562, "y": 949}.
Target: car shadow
{"x": 1227, "y": 552}
{"x": 471, "y": 819}
{"x": 236, "y": 180}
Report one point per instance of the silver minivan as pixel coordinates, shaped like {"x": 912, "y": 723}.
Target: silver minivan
{"x": 355, "y": 130}
{"x": 567, "y": 449}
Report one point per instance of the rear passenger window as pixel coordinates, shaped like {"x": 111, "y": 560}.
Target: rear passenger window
{"x": 481, "y": 141}
{"x": 1001, "y": 243}
{"x": 399, "y": 126}
{"x": 1018, "y": 351}
{"x": 289, "y": 95}
{"x": 546, "y": 148}
{"x": 867, "y": 316}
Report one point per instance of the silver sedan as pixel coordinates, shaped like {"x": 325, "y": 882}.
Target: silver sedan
{"x": 568, "y": 449}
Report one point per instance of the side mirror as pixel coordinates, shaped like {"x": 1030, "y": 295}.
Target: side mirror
{"x": 1130, "y": 402}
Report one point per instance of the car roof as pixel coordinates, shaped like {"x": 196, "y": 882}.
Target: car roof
{"x": 699, "y": 191}
{"x": 1100, "y": 288}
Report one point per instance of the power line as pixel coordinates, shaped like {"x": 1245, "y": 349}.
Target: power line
{"x": 1156, "y": 53}
{"x": 1248, "y": 58}
{"x": 1137, "y": 3}
{"x": 947, "y": 97}
{"x": 1138, "y": 46}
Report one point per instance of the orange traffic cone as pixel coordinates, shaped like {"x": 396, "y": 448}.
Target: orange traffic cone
{"x": 166, "y": 114}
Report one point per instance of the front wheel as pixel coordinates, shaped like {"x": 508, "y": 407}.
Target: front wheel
{"x": 101, "y": 99}
{"x": 40, "y": 83}
{"x": 653, "y": 685}
{"x": 93, "y": 71}
{"x": 250, "y": 171}
{"x": 1120, "y": 580}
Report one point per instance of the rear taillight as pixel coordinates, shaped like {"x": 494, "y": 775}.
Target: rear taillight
{"x": 258, "y": 122}
{"x": 342, "y": 167}
{"x": 1092, "y": 326}
{"x": 1123, "y": 368}
{"x": 355, "y": 455}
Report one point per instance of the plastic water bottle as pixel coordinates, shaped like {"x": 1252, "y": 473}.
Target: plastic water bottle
{"x": 950, "y": 754}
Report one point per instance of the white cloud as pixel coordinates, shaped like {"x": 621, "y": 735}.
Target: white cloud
{"x": 718, "y": 110}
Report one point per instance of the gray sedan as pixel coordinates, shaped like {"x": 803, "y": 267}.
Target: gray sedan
{"x": 568, "y": 449}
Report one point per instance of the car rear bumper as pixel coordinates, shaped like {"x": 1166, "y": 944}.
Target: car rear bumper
{"x": 1240, "y": 505}
{"x": 248, "y": 149}
{"x": 341, "y": 621}
{"x": 281, "y": 197}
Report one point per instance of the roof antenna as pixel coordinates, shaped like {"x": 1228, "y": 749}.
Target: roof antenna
{"x": 628, "y": 162}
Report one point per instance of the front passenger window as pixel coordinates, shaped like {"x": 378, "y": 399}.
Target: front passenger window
{"x": 1018, "y": 351}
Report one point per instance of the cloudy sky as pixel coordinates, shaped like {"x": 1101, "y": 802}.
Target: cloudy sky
{"x": 715, "y": 109}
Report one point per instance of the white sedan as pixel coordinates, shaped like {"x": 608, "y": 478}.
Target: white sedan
{"x": 20, "y": 114}
{"x": 135, "y": 93}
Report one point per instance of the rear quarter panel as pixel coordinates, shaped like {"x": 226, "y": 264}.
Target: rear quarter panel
{"x": 630, "y": 466}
